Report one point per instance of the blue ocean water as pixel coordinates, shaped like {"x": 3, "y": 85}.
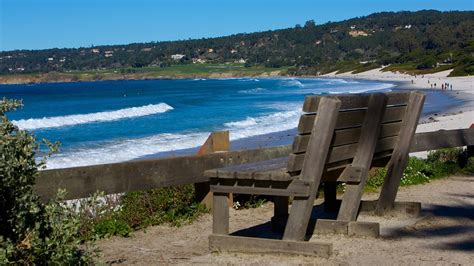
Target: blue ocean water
{"x": 113, "y": 121}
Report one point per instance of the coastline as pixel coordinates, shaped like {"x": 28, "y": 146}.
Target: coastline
{"x": 445, "y": 117}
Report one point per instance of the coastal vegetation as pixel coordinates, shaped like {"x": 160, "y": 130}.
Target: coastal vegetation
{"x": 60, "y": 232}
{"x": 413, "y": 42}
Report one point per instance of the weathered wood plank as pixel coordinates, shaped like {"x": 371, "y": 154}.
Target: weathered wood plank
{"x": 220, "y": 213}
{"x": 113, "y": 178}
{"x": 296, "y": 188}
{"x": 399, "y": 158}
{"x": 274, "y": 169}
{"x": 216, "y": 142}
{"x": 351, "y": 119}
{"x": 442, "y": 139}
{"x": 347, "y": 136}
{"x": 221, "y": 243}
{"x": 354, "y": 101}
{"x": 340, "y": 153}
{"x": 363, "y": 158}
{"x": 313, "y": 167}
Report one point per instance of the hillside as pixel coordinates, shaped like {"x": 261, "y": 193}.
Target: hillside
{"x": 415, "y": 42}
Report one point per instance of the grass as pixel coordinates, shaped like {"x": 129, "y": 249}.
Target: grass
{"x": 411, "y": 68}
{"x": 173, "y": 71}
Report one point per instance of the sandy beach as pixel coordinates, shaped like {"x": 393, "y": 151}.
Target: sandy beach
{"x": 452, "y": 118}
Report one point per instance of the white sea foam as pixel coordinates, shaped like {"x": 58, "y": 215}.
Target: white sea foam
{"x": 119, "y": 151}
{"x": 69, "y": 120}
{"x": 292, "y": 83}
{"x": 124, "y": 150}
{"x": 253, "y": 91}
{"x": 361, "y": 88}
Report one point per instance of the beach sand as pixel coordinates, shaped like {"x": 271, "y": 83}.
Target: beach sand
{"x": 452, "y": 118}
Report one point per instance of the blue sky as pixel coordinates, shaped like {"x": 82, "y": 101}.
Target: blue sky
{"x": 39, "y": 24}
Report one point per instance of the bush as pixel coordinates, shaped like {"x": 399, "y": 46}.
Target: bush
{"x": 427, "y": 63}
{"x": 173, "y": 205}
{"x": 440, "y": 163}
{"x": 469, "y": 168}
{"x": 31, "y": 232}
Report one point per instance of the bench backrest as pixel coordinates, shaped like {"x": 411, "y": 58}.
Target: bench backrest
{"x": 347, "y": 131}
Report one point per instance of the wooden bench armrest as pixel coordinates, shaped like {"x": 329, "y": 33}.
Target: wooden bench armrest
{"x": 274, "y": 169}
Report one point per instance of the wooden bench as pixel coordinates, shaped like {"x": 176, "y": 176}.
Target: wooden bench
{"x": 339, "y": 138}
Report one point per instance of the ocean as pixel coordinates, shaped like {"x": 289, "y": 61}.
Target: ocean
{"x": 115, "y": 121}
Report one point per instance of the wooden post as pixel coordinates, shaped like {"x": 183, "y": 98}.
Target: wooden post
{"x": 330, "y": 196}
{"x": 365, "y": 152}
{"x": 313, "y": 167}
{"x": 470, "y": 148}
{"x": 216, "y": 142}
{"x": 399, "y": 159}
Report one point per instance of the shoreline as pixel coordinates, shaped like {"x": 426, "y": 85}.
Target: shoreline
{"x": 448, "y": 117}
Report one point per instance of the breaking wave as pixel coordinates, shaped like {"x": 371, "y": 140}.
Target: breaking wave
{"x": 70, "y": 120}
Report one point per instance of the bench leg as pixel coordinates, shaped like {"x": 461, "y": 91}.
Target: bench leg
{"x": 280, "y": 213}
{"x": 220, "y": 214}
{"x": 351, "y": 202}
{"x": 330, "y": 196}
{"x": 281, "y": 206}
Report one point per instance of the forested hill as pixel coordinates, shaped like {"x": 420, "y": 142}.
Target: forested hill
{"x": 410, "y": 41}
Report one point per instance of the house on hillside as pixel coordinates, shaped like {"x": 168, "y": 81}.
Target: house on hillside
{"x": 177, "y": 56}
{"x": 358, "y": 33}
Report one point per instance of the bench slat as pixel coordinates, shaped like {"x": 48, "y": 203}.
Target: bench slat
{"x": 354, "y": 101}
{"x": 340, "y": 153}
{"x": 346, "y": 136}
{"x": 351, "y": 118}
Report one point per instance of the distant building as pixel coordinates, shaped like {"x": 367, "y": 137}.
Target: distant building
{"x": 146, "y": 49}
{"x": 62, "y": 60}
{"x": 233, "y": 51}
{"x": 177, "y": 56}
{"x": 358, "y": 33}
{"x": 199, "y": 61}
{"x": 408, "y": 26}
{"x": 240, "y": 61}
{"x": 50, "y": 59}
{"x": 353, "y": 27}
{"x": 210, "y": 50}
{"x": 95, "y": 51}
{"x": 109, "y": 53}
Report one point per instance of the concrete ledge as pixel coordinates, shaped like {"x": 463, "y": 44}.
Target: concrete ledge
{"x": 324, "y": 226}
{"x": 405, "y": 208}
{"x": 363, "y": 229}
{"x": 226, "y": 243}
{"x": 368, "y": 229}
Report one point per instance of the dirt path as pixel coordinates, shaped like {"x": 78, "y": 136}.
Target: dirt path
{"x": 444, "y": 235}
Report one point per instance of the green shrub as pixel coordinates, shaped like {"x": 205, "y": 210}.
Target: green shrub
{"x": 110, "y": 227}
{"x": 469, "y": 168}
{"x": 31, "y": 232}
{"x": 445, "y": 155}
{"x": 245, "y": 201}
{"x": 173, "y": 205}
{"x": 439, "y": 163}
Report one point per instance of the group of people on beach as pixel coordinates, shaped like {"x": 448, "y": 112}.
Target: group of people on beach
{"x": 444, "y": 86}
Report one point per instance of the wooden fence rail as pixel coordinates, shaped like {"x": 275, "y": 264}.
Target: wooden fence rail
{"x": 81, "y": 182}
